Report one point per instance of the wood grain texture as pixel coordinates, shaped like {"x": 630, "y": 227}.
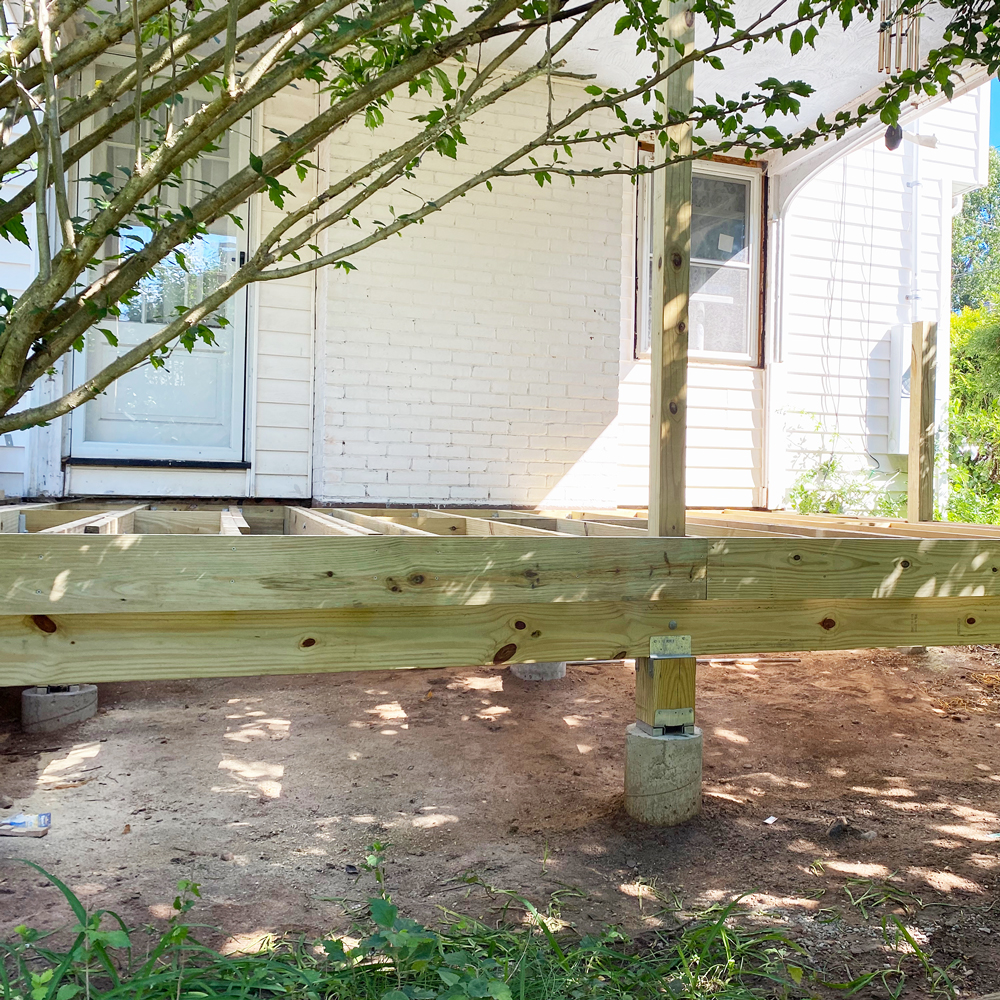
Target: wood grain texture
{"x": 86, "y": 648}
{"x": 495, "y": 526}
{"x": 920, "y": 464}
{"x": 671, "y": 283}
{"x": 661, "y": 683}
{"x": 304, "y": 521}
{"x": 44, "y": 574}
{"x": 181, "y": 522}
{"x": 375, "y": 523}
{"x": 783, "y": 569}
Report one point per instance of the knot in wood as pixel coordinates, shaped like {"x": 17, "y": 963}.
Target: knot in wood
{"x": 676, "y": 260}
{"x": 504, "y": 653}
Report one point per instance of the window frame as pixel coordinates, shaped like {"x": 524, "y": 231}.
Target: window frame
{"x": 644, "y": 201}
{"x": 79, "y": 445}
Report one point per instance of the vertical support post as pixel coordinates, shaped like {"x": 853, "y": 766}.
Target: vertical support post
{"x": 665, "y": 692}
{"x": 671, "y": 278}
{"x": 663, "y": 747}
{"x": 920, "y": 461}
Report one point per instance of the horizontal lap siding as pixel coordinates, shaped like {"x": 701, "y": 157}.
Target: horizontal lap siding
{"x": 285, "y": 330}
{"x": 849, "y": 264}
{"x": 724, "y": 440}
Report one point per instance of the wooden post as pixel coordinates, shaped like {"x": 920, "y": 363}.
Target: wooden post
{"x": 665, "y": 691}
{"x": 920, "y": 462}
{"x": 665, "y": 684}
{"x": 671, "y": 277}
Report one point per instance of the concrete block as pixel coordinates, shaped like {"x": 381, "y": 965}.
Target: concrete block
{"x": 45, "y": 710}
{"x": 539, "y": 671}
{"x": 662, "y": 776}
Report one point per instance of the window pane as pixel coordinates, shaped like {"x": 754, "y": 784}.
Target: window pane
{"x": 719, "y": 219}
{"x": 718, "y": 309}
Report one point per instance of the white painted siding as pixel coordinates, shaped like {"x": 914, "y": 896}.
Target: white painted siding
{"x": 281, "y": 397}
{"x": 724, "y": 440}
{"x": 866, "y": 253}
{"x": 476, "y": 358}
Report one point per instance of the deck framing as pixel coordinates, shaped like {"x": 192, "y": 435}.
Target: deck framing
{"x": 160, "y": 593}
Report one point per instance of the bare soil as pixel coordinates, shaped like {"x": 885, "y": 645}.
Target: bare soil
{"x": 265, "y": 790}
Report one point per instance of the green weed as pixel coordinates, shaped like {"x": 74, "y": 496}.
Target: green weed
{"x": 400, "y": 959}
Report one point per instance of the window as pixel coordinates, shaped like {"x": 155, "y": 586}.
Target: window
{"x": 193, "y": 407}
{"x": 723, "y": 309}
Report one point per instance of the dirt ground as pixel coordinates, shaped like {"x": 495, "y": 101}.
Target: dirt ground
{"x": 265, "y": 790}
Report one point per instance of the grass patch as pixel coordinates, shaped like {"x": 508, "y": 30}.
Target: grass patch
{"x": 397, "y": 958}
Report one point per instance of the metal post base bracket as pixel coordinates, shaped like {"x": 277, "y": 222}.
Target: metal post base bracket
{"x": 665, "y": 687}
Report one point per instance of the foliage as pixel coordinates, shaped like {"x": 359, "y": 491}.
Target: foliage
{"x": 149, "y": 222}
{"x": 399, "y": 959}
{"x": 974, "y": 417}
{"x": 975, "y": 255}
{"x": 829, "y": 488}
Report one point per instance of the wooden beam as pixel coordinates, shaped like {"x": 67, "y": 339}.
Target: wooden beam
{"x": 375, "y": 523}
{"x": 920, "y": 464}
{"x": 671, "y": 282}
{"x": 113, "y": 522}
{"x": 181, "y": 522}
{"x": 232, "y": 517}
{"x": 48, "y": 574}
{"x": 483, "y": 526}
{"x": 62, "y": 649}
{"x": 785, "y": 568}
{"x": 305, "y": 521}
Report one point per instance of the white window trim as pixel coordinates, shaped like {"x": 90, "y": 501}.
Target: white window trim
{"x": 238, "y": 451}
{"x": 643, "y": 304}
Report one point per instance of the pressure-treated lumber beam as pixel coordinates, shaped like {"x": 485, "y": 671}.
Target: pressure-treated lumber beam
{"x": 182, "y": 522}
{"x": 671, "y": 281}
{"x": 920, "y": 465}
{"x": 62, "y": 649}
{"x": 483, "y": 526}
{"x": 304, "y": 521}
{"x": 233, "y": 522}
{"x": 443, "y": 522}
{"x": 375, "y": 523}
{"x": 784, "y": 569}
{"x": 47, "y": 574}
{"x": 114, "y": 522}
{"x": 10, "y": 515}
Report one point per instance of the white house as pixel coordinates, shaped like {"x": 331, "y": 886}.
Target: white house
{"x": 498, "y": 354}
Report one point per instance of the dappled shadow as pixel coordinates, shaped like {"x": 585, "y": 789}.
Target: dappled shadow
{"x": 267, "y": 792}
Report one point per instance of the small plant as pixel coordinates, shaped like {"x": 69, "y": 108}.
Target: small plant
{"x": 829, "y": 488}
{"x": 706, "y": 958}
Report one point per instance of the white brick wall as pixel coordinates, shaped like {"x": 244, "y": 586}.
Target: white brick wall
{"x": 476, "y": 357}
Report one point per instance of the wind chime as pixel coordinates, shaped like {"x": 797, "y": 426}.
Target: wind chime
{"x": 899, "y": 27}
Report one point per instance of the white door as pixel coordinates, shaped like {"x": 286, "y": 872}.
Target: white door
{"x": 192, "y": 407}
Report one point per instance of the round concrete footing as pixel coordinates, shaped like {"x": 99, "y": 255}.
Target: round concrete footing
{"x": 539, "y": 671}
{"x": 45, "y": 711}
{"x": 662, "y": 776}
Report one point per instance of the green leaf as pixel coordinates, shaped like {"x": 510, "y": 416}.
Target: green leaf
{"x": 795, "y": 42}
{"x": 256, "y": 163}
{"x": 448, "y": 977}
{"x": 14, "y": 227}
{"x": 383, "y": 912}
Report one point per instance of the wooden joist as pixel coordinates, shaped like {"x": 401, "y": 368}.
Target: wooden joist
{"x": 383, "y": 527}
{"x": 303, "y": 521}
{"x": 114, "y": 522}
